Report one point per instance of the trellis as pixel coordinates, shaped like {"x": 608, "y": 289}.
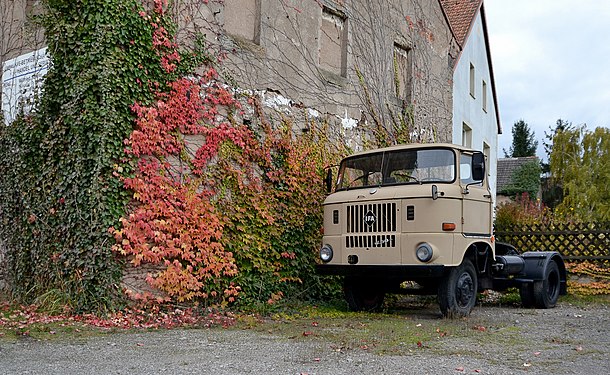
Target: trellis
{"x": 575, "y": 241}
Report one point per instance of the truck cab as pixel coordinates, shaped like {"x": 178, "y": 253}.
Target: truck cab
{"x": 423, "y": 213}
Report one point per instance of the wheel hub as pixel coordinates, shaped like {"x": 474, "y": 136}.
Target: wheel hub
{"x": 464, "y": 290}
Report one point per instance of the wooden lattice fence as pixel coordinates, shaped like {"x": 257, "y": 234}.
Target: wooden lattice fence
{"x": 580, "y": 241}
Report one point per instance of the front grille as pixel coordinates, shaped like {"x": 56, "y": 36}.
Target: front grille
{"x": 371, "y": 225}
{"x": 359, "y": 218}
{"x": 379, "y": 240}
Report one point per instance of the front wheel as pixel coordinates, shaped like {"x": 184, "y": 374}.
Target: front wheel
{"x": 457, "y": 293}
{"x": 363, "y": 296}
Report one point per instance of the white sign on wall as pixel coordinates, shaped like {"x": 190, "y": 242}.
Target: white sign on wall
{"x": 22, "y": 79}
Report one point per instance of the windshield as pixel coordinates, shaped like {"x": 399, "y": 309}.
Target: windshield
{"x": 397, "y": 167}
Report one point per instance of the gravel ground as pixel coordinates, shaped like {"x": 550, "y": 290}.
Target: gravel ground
{"x": 564, "y": 340}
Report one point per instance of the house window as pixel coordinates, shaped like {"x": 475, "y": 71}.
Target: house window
{"x": 402, "y": 72}
{"x": 487, "y": 153}
{"x": 484, "y": 96}
{"x": 333, "y": 42}
{"x": 466, "y": 135}
{"x": 472, "y": 84}
{"x": 243, "y": 18}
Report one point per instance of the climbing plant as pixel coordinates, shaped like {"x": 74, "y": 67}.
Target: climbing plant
{"x": 222, "y": 208}
{"x": 61, "y": 189}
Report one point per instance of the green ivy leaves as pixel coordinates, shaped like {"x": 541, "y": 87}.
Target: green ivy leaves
{"x": 61, "y": 191}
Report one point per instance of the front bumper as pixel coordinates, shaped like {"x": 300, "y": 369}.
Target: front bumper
{"x": 383, "y": 271}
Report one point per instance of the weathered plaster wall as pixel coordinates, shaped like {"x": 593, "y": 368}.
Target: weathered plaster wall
{"x": 19, "y": 35}
{"x": 287, "y": 47}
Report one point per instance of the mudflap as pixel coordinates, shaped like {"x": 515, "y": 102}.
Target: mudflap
{"x": 536, "y": 263}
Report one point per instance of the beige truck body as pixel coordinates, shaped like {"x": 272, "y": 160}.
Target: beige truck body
{"x": 423, "y": 213}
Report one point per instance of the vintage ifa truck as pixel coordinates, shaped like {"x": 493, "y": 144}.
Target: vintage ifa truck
{"x": 418, "y": 219}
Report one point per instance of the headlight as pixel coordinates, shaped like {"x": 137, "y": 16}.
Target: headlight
{"x": 424, "y": 252}
{"x": 326, "y": 253}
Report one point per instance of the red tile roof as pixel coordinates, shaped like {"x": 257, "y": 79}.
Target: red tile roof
{"x": 460, "y": 14}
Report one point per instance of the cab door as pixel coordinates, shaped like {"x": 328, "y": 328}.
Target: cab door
{"x": 477, "y": 202}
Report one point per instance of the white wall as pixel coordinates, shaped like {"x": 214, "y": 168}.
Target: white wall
{"x": 468, "y": 109}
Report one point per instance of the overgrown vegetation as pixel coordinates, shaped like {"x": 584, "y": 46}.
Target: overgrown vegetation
{"x": 59, "y": 190}
{"x": 580, "y": 165}
{"x": 184, "y": 173}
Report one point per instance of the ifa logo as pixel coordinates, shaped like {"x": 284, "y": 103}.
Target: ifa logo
{"x": 370, "y": 218}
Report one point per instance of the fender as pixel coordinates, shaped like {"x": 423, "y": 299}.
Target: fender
{"x": 536, "y": 263}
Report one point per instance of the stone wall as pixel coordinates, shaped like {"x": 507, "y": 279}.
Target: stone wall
{"x": 366, "y": 62}
{"x": 19, "y": 35}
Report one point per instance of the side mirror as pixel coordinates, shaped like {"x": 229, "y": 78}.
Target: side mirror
{"x": 436, "y": 193}
{"x": 478, "y": 166}
{"x": 329, "y": 180}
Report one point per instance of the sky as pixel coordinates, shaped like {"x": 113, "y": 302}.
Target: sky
{"x": 551, "y": 60}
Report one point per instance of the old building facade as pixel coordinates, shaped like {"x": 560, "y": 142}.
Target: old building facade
{"x": 381, "y": 66}
{"x": 363, "y": 64}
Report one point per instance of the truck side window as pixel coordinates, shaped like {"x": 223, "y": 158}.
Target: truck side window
{"x": 466, "y": 169}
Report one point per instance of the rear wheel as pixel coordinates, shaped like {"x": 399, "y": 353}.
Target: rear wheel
{"x": 546, "y": 292}
{"x": 457, "y": 293}
{"x": 363, "y": 296}
{"x": 526, "y": 291}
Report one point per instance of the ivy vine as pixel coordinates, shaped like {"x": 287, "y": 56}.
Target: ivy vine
{"x": 60, "y": 189}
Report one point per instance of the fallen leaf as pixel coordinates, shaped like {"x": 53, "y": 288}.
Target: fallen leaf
{"x": 419, "y": 344}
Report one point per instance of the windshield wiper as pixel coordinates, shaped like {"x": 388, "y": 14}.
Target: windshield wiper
{"x": 358, "y": 178}
{"x": 408, "y": 176}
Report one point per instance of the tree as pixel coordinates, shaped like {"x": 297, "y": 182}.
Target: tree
{"x": 524, "y": 142}
{"x": 547, "y": 143}
{"x": 580, "y": 163}
{"x": 552, "y": 192}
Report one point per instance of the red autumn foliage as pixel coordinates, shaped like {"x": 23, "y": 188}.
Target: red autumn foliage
{"x": 217, "y": 203}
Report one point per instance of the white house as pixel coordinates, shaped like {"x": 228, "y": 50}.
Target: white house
{"x": 476, "y": 121}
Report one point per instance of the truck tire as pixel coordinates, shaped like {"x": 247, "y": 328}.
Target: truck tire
{"x": 546, "y": 292}
{"x": 362, "y": 296}
{"x": 526, "y": 291}
{"x": 457, "y": 292}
